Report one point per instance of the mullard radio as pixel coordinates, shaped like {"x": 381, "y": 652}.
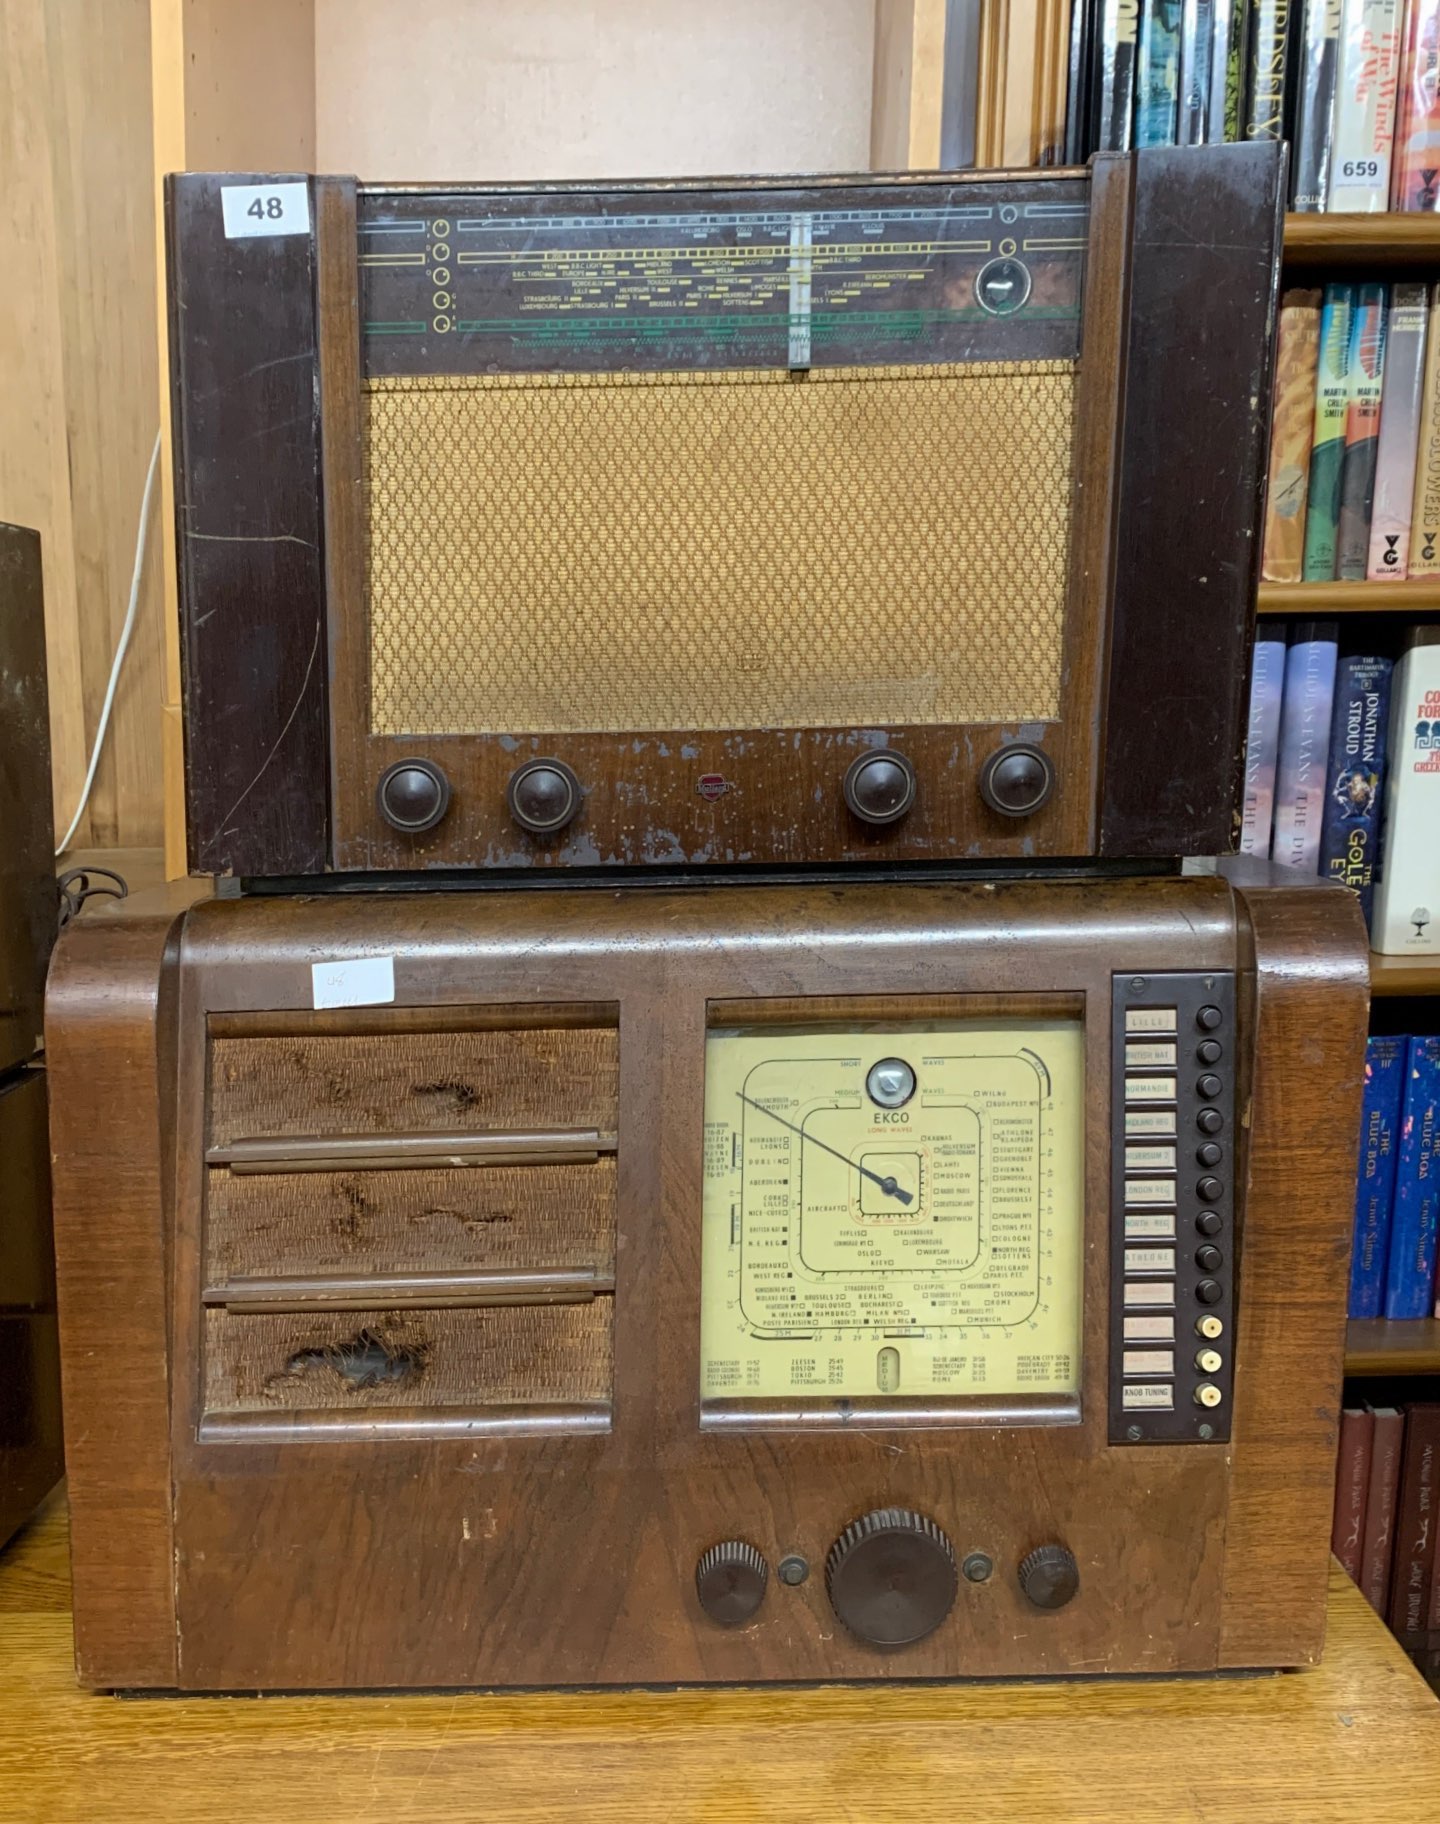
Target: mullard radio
{"x": 651, "y": 1169}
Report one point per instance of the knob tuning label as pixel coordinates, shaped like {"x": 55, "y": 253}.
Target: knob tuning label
{"x": 1172, "y": 1184}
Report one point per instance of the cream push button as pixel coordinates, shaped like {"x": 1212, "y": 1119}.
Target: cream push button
{"x": 1209, "y": 1361}
{"x": 1208, "y": 1395}
{"x": 1210, "y": 1326}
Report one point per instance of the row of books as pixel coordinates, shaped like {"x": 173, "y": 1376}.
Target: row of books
{"x": 1351, "y": 84}
{"x": 1384, "y": 1531}
{"x": 1342, "y": 771}
{"x": 1354, "y": 490}
{"x": 1397, "y": 1180}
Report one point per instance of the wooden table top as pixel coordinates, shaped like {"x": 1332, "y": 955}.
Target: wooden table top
{"x": 1356, "y": 1739}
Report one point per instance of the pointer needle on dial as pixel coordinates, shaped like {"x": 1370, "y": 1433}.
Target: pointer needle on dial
{"x": 887, "y": 1185}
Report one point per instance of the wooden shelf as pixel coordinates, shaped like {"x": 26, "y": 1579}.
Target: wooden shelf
{"x": 1421, "y": 597}
{"x": 1361, "y": 240}
{"x": 1404, "y": 974}
{"x": 1373, "y": 1346}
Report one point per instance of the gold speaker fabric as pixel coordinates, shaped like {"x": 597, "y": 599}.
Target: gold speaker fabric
{"x": 677, "y": 551}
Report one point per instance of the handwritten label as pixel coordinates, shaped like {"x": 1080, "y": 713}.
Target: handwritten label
{"x": 255, "y": 209}
{"x": 358, "y": 981}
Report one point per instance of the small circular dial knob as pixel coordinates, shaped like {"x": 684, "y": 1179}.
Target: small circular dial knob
{"x": 1209, "y": 1291}
{"x": 890, "y": 1083}
{"x": 879, "y": 786}
{"x": 413, "y": 795}
{"x": 730, "y": 1581}
{"x": 891, "y": 1576}
{"x": 543, "y": 796}
{"x": 1016, "y": 780}
{"x": 1050, "y": 1577}
{"x": 1209, "y": 1222}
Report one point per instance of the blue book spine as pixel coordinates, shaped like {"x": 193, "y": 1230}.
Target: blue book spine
{"x": 1410, "y": 1271}
{"x": 1356, "y": 775}
{"x": 1375, "y": 1184}
{"x": 1157, "y": 73}
{"x": 1304, "y": 745}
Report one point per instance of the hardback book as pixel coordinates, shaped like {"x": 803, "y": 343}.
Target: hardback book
{"x": 1362, "y": 432}
{"x": 1359, "y": 730}
{"x": 1196, "y": 26}
{"x": 1292, "y": 436}
{"x": 1377, "y": 1553}
{"x": 1352, "y": 1484}
{"x": 1157, "y": 73}
{"x": 1425, "y": 509}
{"x": 1327, "y": 451}
{"x": 1262, "y": 744}
{"x": 1314, "y": 105}
{"x": 1415, "y": 1513}
{"x": 1113, "y": 77}
{"x": 1407, "y": 890}
{"x": 1236, "y": 53}
{"x": 1366, "y": 83}
{"x": 1304, "y": 745}
{"x": 1078, "y": 94}
{"x": 1375, "y": 1172}
{"x": 1410, "y": 1260}
{"x": 1389, "y": 557}
{"x": 1219, "y": 112}
{"x": 1415, "y": 168}
{"x": 1273, "y": 27}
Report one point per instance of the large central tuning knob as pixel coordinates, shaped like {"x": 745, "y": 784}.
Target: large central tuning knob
{"x": 891, "y": 1576}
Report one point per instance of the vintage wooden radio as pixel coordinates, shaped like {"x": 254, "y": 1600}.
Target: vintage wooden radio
{"x": 628, "y": 1273}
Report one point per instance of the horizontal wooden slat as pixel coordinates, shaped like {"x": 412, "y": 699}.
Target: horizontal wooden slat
{"x": 379, "y": 1152}
{"x": 1361, "y": 240}
{"x": 426, "y": 1291}
{"x": 380, "y": 1223}
{"x": 1421, "y": 596}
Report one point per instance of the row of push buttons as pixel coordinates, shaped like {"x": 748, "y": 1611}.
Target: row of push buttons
{"x": 1152, "y": 1243}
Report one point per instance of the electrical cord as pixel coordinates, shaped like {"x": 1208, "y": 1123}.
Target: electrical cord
{"x": 79, "y": 884}
{"x": 120, "y": 650}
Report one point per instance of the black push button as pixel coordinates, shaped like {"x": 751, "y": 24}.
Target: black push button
{"x": 1209, "y": 1051}
{"x": 1209, "y": 1152}
{"x": 1210, "y": 1121}
{"x": 1208, "y": 1257}
{"x": 1209, "y": 1222}
{"x": 543, "y": 796}
{"x": 1209, "y": 1087}
{"x": 1209, "y": 1018}
{"x": 1209, "y": 1291}
{"x": 879, "y": 787}
{"x": 413, "y": 795}
{"x": 1016, "y": 780}
{"x": 1209, "y": 1190}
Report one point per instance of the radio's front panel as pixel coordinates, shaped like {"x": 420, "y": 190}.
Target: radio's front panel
{"x": 669, "y": 1288}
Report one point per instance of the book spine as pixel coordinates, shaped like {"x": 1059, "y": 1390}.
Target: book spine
{"x": 1078, "y": 83}
{"x": 1407, "y": 889}
{"x": 1114, "y": 75}
{"x": 1415, "y": 172}
{"x": 1389, "y": 555}
{"x": 1237, "y": 68}
{"x": 1270, "y": 26}
{"x": 1222, "y": 23}
{"x": 1315, "y": 106}
{"x": 1410, "y": 1270}
{"x": 1414, "y": 1562}
{"x": 1196, "y": 25}
{"x": 1425, "y": 508}
{"x": 1359, "y": 731}
{"x": 1379, "y": 1548}
{"x": 1365, "y": 92}
{"x": 1327, "y": 450}
{"x": 1157, "y": 73}
{"x": 1375, "y": 1179}
{"x": 1352, "y": 1481}
{"x": 1362, "y": 433}
{"x": 1262, "y": 745}
{"x": 1304, "y": 746}
{"x": 1292, "y": 437}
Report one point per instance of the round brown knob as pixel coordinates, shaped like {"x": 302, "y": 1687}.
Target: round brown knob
{"x": 413, "y": 795}
{"x": 543, "y": 796}
{"x": 1016, "y": 780}
{"x": 730, "y": 1581}
{"x": 1050, "y": 1576}
{"x": 891, "y": 1576}
{"x": 879, "y": 786}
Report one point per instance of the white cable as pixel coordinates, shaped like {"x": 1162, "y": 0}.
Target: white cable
{"x": 120, "y": 649}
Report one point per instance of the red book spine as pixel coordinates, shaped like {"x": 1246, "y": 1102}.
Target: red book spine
{"x": 1415, "y": 1522}
{"x": 1352, "y": 1485}
{"x": 1380, "y": 1507}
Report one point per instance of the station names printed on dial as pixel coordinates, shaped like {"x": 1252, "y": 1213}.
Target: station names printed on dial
{"x": 852, "y": 1250}
{"x": 828, "y": 277}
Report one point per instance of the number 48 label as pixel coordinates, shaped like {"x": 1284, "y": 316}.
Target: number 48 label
{"x": 256, "y": 209}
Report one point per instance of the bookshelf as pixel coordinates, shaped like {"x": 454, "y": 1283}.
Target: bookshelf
{"x": 1421, "y": 597}
{"x": 1361, "y": 240}
{"x": 1374, "y": 1346}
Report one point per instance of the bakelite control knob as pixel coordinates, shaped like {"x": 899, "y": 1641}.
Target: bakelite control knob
{"x": 1050, "y": 1577}
{"x": 730, "y": 1581}
{"x": 891, "y": 1576}
{"x": 879, "y": 786}
{"x": 543, "y": 796}
{"x": 413, "y": 795}
{"x": 1016, "y": 780}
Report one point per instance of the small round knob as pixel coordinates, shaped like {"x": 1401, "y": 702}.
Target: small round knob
{"x": 1209, "y": 1051}
{"x": 1209, "y": 1018}
{"x": 1208, "y": 1257}
{"x": 1209, "y": 1120}
{"x": 1050, "y": 1576}
{"x": 730, "y": 1581}
{"x": 891, "y": 1577}
{"x": 1209, "y": 1190}
{"x": 1209, "y": 1153}
{"x": 543, "y": 796}
{"x": 413, "y": 795}
{"x": 1209, "y": 1222}
{"x": 1208, "y": 1395}
{"x": 879, "y": 786}
{"x": 1209, "y": 1292}
{"x": 1209, "y": 1087}
{"x": 1016, "y": 780}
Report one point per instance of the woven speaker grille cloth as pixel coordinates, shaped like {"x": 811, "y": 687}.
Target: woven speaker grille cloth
{"x": 582, "y": 552}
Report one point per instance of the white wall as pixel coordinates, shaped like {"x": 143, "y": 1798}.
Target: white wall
{"x": 480, "y": 89}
